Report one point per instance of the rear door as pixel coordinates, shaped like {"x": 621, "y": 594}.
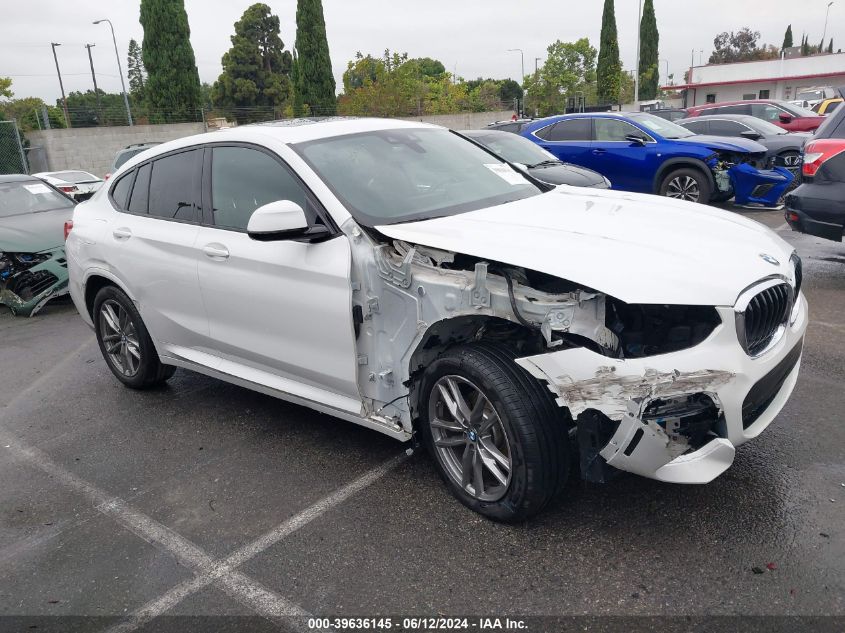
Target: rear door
{"x": 568, "y": 140}
{"x": 152, "y": 244}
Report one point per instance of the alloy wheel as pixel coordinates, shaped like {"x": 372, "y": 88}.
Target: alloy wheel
{"x": 469, "y": 438}
{"x": 120, "y": 338}
{"x": 683, "y": 188}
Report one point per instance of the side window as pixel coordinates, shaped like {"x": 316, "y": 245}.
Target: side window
{"x": 696, "y": 127}
{"x": 120, "y": 190}
{"x": 832, "y": 106}
{"x": 727, "y": 128}
{"x": 614, "y": 130}
{"x": 243, "y": 179}
{"x": 739, "y": 108}
{"x": 766, "y": 112}
{"x": 173, "y": 185}
{"x": 568, "y": 130}
{"x": 141, "y": 190}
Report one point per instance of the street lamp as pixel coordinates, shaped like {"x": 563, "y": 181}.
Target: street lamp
{"x": 826, "y": 15}
{"x": 119, "y": 68}
{"x": 522, "y": 78}
{"x": 667, "y": 70}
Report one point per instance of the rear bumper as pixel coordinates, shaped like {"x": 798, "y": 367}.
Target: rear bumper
{"x": 748, "y": 393}
{"x": 817, "y": 209}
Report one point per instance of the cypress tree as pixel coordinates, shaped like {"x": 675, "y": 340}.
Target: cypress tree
{"x": 135, "y": 71}
{"x": 173, "y": 83}
{"x": 787, "y": 37}
{"x": 830, "y": 46}
{"x": 609, "y": 70}
{"x": 315, "y": 86}
{"x": 649, "y": 65}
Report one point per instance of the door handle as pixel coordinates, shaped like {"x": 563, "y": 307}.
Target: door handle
{"x": 599, "y": 152}
{"x": 216, "y": 251}
{"x": 122, "y": 233}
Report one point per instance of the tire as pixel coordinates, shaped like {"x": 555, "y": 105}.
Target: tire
{"x": 125, "y": 343}
{"x": 686, "y": 184}
{"x": 510, "y": 411}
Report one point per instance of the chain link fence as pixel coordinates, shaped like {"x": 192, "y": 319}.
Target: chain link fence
{"x": 12, "y": 156}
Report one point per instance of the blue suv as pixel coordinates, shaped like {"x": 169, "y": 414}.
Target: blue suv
{"x": 644, "y": 153}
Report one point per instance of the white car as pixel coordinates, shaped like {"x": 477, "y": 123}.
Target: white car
{"x": 79, "y": 185}
{"x": 398, "y": 276}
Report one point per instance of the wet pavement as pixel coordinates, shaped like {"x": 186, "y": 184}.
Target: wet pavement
{"x": 201, "y": 498}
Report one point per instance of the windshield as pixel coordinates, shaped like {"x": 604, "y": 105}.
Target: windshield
{"x": 511, "y": 147}
{"x": 74, "y": 176}
{"x": 809, "y": 95}
{"x": 797, "y": 110}
{"x": 664, "y": 128}
{"x": 763, "y": 127}
{"x": 29, "y": 196}
{"x": 391, "y": 176}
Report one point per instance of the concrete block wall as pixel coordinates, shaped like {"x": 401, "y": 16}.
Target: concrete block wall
{"x": 92, "y": 149}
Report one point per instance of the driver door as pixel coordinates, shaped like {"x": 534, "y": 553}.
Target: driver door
{"x": 279, "y": 312}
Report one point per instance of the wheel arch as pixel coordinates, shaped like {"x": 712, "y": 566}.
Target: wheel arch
{"x": 685, "y": 162}
{"x": 96, "y": 281}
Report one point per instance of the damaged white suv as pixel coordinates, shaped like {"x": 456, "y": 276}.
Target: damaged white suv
{"x": 401, "y": 277}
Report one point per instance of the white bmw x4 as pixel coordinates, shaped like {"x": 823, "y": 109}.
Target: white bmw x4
{"x": 400, "y": 277}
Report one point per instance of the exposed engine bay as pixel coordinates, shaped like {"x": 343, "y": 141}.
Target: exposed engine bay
{"x": 29, "y": 280}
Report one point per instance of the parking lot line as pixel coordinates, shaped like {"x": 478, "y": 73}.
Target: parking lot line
{"x": 207, "y": 570}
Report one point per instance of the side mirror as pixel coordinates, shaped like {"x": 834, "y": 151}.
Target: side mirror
{"x": 751, "y": 134}
{"x": 282, "y": 220}
{"x": 785, "y": 118}
{"x": 635, "y": 140}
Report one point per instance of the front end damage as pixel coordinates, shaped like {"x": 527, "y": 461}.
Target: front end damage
{"x": 743, "y": 178}
{"x": 666, "y": 392}
{"x": 29, "y": 280}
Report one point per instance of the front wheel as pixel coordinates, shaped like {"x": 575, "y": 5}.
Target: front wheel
{"x": 125, "y": 343}
{"x": 499, "y": 440}
{"x": 686, "y": 184}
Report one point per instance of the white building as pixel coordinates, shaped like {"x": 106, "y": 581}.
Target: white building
{"x": 770, "y": 79}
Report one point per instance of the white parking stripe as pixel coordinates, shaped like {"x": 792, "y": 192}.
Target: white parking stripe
{"x": 207, "y": 570}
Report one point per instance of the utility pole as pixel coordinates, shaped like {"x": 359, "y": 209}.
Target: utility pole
{"x": 120, "y": 70}
{"x": 522, "y": 78}
{"x": 637, "y": 71}
{"x": 94, "y": 77}
{"x": 61, "y": 85}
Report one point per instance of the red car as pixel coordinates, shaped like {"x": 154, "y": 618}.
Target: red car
{"x": 782, "y": 113}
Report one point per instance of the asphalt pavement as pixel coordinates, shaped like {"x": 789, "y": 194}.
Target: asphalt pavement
{"x": 128, "y": 510}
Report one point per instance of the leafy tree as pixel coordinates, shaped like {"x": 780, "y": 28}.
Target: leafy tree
{"x": 6, "y": 87}
{"x": 740, "y": 46}
{"x": 256, "y": 70}
{"x": 649, "y": 56}
{"x": 28, "y": 111}
{"x": 805, "y": 46}
{"x": 428, "y": 66}
{"x": 315, "y": 85}
{"x": 84, "y": 111}
{"x": 787, "y": 37}
{"x": 173, "y": 83}
{"x": 509, "y": 90}
{"x": 609, "y": 66}
{"x": 569, "y": 69}
{"x": 135, "y": 71}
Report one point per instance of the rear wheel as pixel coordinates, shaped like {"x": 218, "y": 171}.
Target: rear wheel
{"x": 499, "y": 440}
{"x": 686, "y": 184}
{"x": 125, "y": 343}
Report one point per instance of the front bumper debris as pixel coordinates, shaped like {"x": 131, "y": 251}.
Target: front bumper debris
{"x": 643, "y": 434}
{"x": 759, "y": 186}
{"x": 29, "y": 280}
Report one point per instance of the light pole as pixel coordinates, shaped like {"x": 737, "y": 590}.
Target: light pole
{"x": 119, "y": 68}
{"x": 826, "y": 15}
{"x": 61, "y": 85}
{"x": 667, "y": 70}
{"x": 94, "y": 77}
{"x": 522, "y": 78}
{"x": 637, "y": 71}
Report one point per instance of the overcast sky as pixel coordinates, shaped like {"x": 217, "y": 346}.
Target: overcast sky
{"x": 468, "y": 35}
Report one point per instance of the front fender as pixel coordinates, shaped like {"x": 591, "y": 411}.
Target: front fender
{"x": 682, "y": 161}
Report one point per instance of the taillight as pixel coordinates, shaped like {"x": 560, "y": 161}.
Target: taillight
{"x": 108, "y": 175}
{"x": 816, "y": 153}
{"x": 68, "y": 188}
{"x": 68, "y": 228}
